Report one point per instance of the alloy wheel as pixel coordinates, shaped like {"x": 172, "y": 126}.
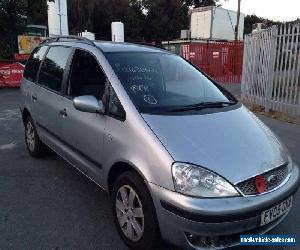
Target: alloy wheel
{"x": 30, "y": 136}
{"x": 130, "y": 213}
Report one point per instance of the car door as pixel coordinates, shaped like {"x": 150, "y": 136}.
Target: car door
{"x": 29, "y": 86}
{"x": 83, "y": 132}
{"x": 48, "y": 98}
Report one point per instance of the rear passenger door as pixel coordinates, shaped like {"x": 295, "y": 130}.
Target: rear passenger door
{"x": 48, "y": 98}
{"x": 29, "y": 86}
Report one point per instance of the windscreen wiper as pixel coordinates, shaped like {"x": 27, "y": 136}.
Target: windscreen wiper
{"x": 204, "y": 105}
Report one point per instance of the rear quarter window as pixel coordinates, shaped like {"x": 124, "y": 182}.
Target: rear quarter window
{"x": 33, "y": 63}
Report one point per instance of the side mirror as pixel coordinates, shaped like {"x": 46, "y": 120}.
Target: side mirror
{"x": 89, "y": 104}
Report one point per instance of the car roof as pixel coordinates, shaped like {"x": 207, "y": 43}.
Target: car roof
{"x": 104, "y": 46}
{"x": 107, "y": 46}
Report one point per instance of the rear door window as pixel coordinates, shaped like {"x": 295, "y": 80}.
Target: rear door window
{"x": 53, "y": 66}
{"x": 33, "y": 64}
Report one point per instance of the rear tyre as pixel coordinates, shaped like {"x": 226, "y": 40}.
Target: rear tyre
{"x": 36, "y": 148}
{"x": 134, "y": 212}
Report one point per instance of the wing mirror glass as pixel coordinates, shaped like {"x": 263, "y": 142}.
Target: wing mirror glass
{"x": 89, "y": 104}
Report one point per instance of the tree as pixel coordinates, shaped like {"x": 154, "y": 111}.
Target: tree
{"x": 144, "y": 20}
{"x": 165, "y": 19}
{"x": 12, "y": 21}
{"x": 149, "y": 20}
{"x": 96, "y": 16}
{"x": 37, "y": 11}
{"x": 253, "y": 19}
{"x": 81, "y": 14}
{"x": 202, "y": 3}
{"x": 14, "y": 15}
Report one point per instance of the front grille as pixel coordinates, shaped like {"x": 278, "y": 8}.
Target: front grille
{"x": 248, "y": 187}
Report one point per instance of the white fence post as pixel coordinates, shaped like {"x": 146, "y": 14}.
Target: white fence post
{"x": 244, "y": 71}
{"x": 273, "y": 50}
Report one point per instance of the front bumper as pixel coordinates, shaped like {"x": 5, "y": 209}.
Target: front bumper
{"x": 182, "y": 217}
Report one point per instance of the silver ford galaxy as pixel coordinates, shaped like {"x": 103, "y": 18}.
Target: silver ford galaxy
{"x": 182, "y": 159}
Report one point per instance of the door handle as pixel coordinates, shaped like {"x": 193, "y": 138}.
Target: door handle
{"x": 34, "y": 98}
{"x": 63, "y": 112}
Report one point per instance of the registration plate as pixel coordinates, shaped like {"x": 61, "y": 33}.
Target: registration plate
{"x": 275, "y": 212}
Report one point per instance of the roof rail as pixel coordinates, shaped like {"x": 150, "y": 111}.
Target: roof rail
{"x": 58, "y": 38}
{"x": 158, "y": 46}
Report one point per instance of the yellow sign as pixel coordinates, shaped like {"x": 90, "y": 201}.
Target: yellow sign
{"x": 27, "y": 43}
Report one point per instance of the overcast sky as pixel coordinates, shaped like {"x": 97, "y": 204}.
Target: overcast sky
{"x": 277, "y": 10}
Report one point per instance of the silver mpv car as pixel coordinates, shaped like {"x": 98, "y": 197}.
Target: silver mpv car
{"x": 182, "y": 159}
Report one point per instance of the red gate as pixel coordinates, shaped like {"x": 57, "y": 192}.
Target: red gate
{"x": 223, "y": 61}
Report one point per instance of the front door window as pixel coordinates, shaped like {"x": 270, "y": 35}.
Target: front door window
{"x": 86, "y": 77}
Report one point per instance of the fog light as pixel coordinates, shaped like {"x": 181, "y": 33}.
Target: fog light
{"x": 212, "y": 241}
{"x": 198, "y": 240}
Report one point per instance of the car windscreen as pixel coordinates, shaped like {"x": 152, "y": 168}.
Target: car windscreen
{"x": 161, "y": 81}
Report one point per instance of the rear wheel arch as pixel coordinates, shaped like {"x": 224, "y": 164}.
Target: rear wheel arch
{"x": 25, "y": 115}
{"x": 36, "y": 148}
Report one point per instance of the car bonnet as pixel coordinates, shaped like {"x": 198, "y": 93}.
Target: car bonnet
{"x": 234, "y": 144}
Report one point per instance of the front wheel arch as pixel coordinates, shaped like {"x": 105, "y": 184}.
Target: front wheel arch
{"x": 118, "y": 169}
{"x": 151, "y": 237}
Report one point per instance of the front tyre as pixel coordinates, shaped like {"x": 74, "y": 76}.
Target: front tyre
{"x": 134, "y": 212}
{"x": 34, "y": 145}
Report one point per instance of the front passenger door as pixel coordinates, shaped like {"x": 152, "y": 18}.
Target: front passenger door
{"x": 83, "y": 132}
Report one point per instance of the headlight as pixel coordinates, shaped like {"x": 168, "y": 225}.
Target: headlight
{"x": 197, "y": 181}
